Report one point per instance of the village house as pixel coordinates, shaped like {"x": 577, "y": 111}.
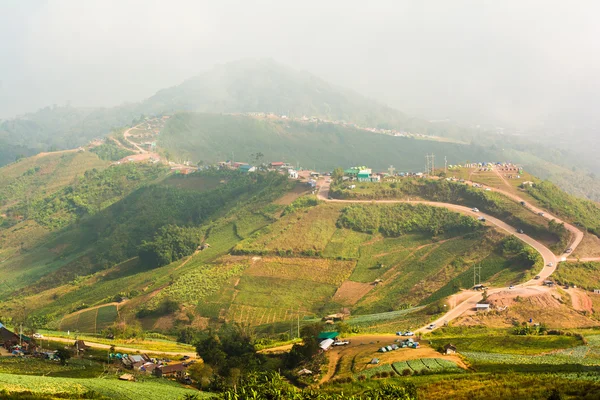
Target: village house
{"x": 170, "y": 371}
{"x": 247, "y": 168}
{"x": 450, "y": 349}
{"x": 482, "y": 307}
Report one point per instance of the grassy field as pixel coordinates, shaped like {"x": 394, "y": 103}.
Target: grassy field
{"x": 108, "y": 387}
{"x": 213, "y": 137}
{"x": 301, "y": 233}
{"x": 500, "y": 341}
{"x": 585, "y": 275}
{"x": 413, "y": 279}
{"x": 492, "y": 203}
{"x": 345, "y": 243}
{"x": 91, "y": 321}
{"x": 76, "y": 368}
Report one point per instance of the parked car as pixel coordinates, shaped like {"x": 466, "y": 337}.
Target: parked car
{"x": 488, "y": 189}
{"x": 511, "y": 287}
{"x": 409, "y": 333}
{"x": 550, "y": 264}
{"x": 520, "y": 231}
{"x": 38, "y": 336}
{"x": 537, "y": 277}
{"x": 341, "y": 343}
{"x": 541, "y": 214}
{"x": 482, "y": 219}
{"x": 568, "y": 250}
{"x": 475, "y": 209}
{"x": 522, "y": 203}
{"x": 431, "y": 326}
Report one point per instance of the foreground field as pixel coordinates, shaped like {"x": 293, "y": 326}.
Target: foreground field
{"x": 108, "y": 388}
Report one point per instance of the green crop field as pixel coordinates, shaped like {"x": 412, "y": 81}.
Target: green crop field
{"x": 379, "y": 255}
{"x": 345, "y": 243}
{"x": 318, "y": 270}
{"x": 152, "y": 389}
{"x": 502, "y": 341}
{"x": 106, "y": 316}
{"x": 304, "y": 232}
{"x": 425, "y": 265}
{"x": 90, "y": 321}
{"x": 430, "y": 365}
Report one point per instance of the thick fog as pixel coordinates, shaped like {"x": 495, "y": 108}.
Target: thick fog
{"x": 520, "y": 63}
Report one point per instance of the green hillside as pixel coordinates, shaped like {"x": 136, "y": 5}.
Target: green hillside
{"x": 324, "y": 146}
{"x": 268, "y": 262}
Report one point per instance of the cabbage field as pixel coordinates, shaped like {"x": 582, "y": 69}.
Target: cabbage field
{"x": 151, "y": 389}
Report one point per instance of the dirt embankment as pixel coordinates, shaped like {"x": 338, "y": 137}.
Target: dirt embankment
{"x": 551, "y": 306}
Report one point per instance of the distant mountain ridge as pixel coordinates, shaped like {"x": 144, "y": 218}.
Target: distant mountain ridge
{"x": 241, "y": 86}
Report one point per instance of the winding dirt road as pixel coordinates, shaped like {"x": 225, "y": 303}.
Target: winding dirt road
{"x": 550, "y": 259}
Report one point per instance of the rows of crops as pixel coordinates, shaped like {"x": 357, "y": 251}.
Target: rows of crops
{"x": 378, "y": 317}
{"x": 112, "y": 388}
{"x": 426, "y": 365}
{"x": 198, "y": 284}
{"x": 582, "y": 355}
{"x": 91, "y": 321}
{"x": 106, "y": 317}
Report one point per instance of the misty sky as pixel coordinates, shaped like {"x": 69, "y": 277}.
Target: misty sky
{"x": 505, "y": 61}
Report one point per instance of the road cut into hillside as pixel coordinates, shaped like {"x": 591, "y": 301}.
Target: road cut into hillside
{"x": 471, "y": 298}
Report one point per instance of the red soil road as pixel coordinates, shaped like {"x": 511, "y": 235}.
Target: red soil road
{"x": 470, "y": 302}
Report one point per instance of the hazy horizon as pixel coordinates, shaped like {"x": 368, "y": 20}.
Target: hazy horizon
{"x": 515, "y": 63}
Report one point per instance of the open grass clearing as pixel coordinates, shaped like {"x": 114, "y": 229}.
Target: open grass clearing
{"x": 489, "y": 340}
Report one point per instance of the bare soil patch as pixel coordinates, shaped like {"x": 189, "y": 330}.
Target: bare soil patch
{"x": 292, "y": 195}
{"x": 351, "y": 292}
{"x": 580, "y": 300}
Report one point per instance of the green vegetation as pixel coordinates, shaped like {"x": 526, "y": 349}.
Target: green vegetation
{"x": 110, "y": 151}
{"x": 169, "y": 244}
{"x": 92, "y": 321}
{"x": 41, "y": 387}
{"x": 294, "y": 234}
{"x": 585, "y": 275}
{"x": 400, "y": 219}
{"x": 95, "y": 191}
{"x": 554, "y": 235}
{"x": 583, "y": 213}
{"x": 212, "y": 137}
{"x": 501, "y": 341}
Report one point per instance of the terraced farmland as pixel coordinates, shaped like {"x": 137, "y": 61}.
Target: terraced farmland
{"x": 90, "y": 321}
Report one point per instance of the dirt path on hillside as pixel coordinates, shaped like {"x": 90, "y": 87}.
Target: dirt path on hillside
{"x": 114, "y": 303}
{"x": 43, "y": 154}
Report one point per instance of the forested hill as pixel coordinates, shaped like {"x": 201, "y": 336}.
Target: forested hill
{"x": 324, "y": 146}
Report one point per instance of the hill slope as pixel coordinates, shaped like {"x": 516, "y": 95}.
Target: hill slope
{"x": 324, "y": 146}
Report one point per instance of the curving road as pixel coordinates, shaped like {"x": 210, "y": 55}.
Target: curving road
{"x": 469, "y": 303}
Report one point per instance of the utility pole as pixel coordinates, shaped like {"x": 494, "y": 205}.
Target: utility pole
{"x": 426, "y": 163}
{"x": 298, "y": 321}
{"x": 432, "y": 163}
{"x": 476, "y": 275}
{"x": 445, "y": 164}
